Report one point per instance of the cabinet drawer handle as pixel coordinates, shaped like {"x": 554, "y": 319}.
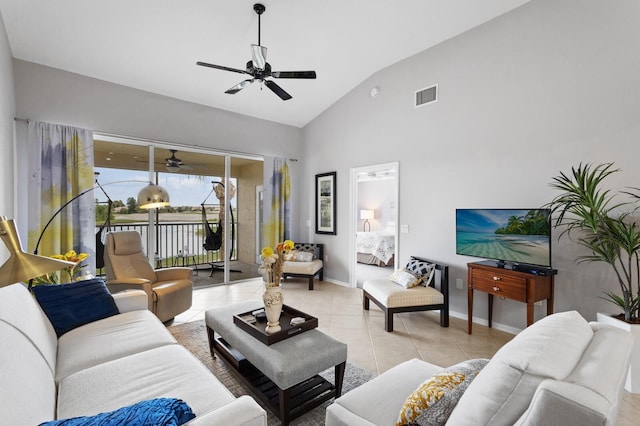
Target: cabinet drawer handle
{"x": 496, "y": 288}
{"x": 496, "y": 278}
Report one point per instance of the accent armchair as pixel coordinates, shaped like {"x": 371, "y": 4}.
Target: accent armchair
{"x": 169, "y": 290}
{"x": 394, "y": 298}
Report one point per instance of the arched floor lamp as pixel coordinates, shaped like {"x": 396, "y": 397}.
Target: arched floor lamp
{"x": 22, "y": 266}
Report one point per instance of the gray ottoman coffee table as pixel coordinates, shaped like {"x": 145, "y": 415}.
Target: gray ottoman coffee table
{"x": 284, "y": 375}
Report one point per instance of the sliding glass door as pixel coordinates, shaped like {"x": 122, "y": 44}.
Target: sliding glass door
{"x": 210, "y": 224}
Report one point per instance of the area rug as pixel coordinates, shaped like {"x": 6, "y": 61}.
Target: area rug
{"x": 193, "y": 336}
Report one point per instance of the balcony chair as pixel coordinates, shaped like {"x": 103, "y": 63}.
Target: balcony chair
{"x": 169, "y": 290}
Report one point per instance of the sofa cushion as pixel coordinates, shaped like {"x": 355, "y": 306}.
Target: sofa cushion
{"x": 19, "y": 309}
{"x": 108, "y": 339}
{"x": 153, "y": 412}
{"x": 379, "y": 400}
{"x": 71, "y": 305}
{"x": 27, "y": 388}
{"x": 166, "y": 372}
{"x": 550, "y": 348}
{"x": 434, "y": 400}
{"x": 305, "y": 268}
{"x": 392, "y": 295}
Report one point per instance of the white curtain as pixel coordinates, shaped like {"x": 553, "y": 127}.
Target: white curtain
{"x": 60, "y": 167}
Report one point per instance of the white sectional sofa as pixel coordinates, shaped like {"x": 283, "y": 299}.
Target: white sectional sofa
{"x": 102, "y": 366}
{"x": 559, "y": 371}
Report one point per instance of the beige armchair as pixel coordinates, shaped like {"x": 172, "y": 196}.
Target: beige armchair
{"x": 169, "y": 290}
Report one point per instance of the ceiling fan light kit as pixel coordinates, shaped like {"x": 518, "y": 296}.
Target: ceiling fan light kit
{"x": 259, "y": 69}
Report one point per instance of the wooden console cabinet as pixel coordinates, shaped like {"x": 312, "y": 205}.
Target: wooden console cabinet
{"x": 523, "y": 287}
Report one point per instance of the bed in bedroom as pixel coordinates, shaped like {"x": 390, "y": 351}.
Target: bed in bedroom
{"x": 375, "y": 248}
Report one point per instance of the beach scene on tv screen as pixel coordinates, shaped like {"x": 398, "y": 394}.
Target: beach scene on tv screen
{"x": 520, "y": 236}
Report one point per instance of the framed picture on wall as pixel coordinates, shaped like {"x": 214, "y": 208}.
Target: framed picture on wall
{"x": 326, "y": 203}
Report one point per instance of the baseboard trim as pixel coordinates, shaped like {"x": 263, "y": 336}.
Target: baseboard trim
{"x": 482, "y": 321}
{"x": 340, "y": 283}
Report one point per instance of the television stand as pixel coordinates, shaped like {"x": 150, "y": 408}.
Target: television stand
{"x": 527, "y": 287}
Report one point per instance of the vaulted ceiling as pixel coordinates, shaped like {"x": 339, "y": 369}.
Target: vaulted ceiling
{"x": 153, "y": 45}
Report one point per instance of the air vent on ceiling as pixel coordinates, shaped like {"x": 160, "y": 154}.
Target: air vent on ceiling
{"x": 427, "y": 96}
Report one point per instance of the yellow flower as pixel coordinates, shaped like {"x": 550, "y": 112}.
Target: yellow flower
{"x": 272, "y": 261}
{"x": 72, "y": 256}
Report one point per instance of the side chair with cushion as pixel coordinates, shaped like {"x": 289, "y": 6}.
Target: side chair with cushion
{"x": 422, "y": 285}
{"x": 305, "y": 261}
{"x": 169, "y": 290}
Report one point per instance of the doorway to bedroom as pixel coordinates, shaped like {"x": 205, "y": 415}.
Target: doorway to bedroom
{"x": 374, "y": 222}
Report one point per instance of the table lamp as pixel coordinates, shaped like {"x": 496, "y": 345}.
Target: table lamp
{"x": 22, "y": 266}
{"x": 366, "y": 215}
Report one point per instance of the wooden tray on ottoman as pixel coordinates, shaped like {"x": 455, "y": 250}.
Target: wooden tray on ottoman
{"x": 257, "y": 328}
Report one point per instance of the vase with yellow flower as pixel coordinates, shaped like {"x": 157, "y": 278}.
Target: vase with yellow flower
{"x": 271, "y": 268}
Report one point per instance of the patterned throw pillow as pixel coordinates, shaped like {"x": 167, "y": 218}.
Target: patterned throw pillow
{"x": 424, "y": 270}
{"x": 434, "y": 400}
{"x": 405, "y": 278}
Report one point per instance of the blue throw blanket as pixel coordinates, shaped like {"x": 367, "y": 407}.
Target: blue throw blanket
{"x": 154, "y": 412}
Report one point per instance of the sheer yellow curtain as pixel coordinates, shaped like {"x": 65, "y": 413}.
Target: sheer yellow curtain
{"x": 277, "y": 201}
{"x": 61, "y": 167}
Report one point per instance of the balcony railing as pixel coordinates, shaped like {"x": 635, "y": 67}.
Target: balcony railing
{"x": 174, "y": 240}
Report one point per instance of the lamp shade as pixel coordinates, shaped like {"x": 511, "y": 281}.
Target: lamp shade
{"x": 153, "y": 197}
{"x": 366, "y": 214}
{"x": 22, "y": 266}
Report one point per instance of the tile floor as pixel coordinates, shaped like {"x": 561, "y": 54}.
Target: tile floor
{"x": 416, "y": 335}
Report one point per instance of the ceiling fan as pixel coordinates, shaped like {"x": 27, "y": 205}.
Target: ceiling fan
{"x": 174, "y": 164}
{"x": 260, "y": 69}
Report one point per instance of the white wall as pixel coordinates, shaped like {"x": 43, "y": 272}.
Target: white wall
{"x": 522, "y": 97}
{"x": 379, "y": 196}
{"x": 7, "y": 112}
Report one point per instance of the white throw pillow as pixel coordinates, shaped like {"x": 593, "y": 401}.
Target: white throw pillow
{"x": 304, "y": 256}
{"x": 405, "y": 278}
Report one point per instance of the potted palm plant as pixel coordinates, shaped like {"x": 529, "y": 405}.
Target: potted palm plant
{"x": 589, "y": 215}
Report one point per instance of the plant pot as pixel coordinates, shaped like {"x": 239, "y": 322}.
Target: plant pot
{"x": 633, "y": 378}
{"x": 273, "y": 301}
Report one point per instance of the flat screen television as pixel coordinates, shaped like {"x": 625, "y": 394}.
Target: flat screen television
{"x": 512, "y": 236}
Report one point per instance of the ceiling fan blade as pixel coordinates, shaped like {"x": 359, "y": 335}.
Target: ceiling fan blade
{"x": 238, "y": 87}
{"x": 220, "y": 67}
{"x": 293, "y": 74}
{"x": 277, "y": 90}
{"x": 259, "y": 55}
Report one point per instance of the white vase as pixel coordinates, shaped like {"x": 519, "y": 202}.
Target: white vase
{"x": 633, "y": 378}
{"x": 273, "y": 302}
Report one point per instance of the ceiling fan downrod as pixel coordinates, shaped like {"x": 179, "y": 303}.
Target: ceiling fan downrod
{"x": 259, "y": 9}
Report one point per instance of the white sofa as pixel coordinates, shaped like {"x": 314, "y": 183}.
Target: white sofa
{"x": 102, "y": 366}
{"x": 559, "y": 371}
